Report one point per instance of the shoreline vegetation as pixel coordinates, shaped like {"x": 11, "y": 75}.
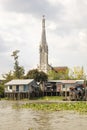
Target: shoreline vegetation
{"x": 54, "y": 104}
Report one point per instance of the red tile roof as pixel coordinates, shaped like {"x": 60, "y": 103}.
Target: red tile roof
{"x": 60, "y": 68}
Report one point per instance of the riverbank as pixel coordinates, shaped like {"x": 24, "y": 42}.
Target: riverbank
{"x": 44, "y": 99}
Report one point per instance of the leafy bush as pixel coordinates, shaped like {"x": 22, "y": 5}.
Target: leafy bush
{"x": 1, "y": 91}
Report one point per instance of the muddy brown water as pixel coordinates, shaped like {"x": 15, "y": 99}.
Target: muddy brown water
{"x": 27, "y": 119}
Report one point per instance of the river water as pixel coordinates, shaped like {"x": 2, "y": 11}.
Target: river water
{"x": 27, "y": 119}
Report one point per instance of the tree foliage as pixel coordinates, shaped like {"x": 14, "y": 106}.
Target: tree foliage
{"x": 18, "y": 70}
{"x": 38, "y": 76}
{"x": 77, "y": 73}
{"x": 58, "y": 75}
{"x": 1, "y": 90}
{"x": 8, "y": 76}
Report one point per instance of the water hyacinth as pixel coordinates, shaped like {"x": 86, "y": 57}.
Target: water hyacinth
{"x": 80, "y": 107}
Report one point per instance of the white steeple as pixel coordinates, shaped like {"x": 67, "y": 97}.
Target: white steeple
{"x": 43, "y": 49}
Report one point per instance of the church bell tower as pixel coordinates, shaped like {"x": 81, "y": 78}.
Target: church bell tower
{"x": 43, "y": 49}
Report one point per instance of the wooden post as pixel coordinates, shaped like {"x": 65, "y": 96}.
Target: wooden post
{"x": 66, "y": 93}
{"x": 86, "y": 93}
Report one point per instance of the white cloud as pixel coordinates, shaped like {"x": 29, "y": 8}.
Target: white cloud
{"x": 66, "y": 29}
{"x": 19, "y": 31}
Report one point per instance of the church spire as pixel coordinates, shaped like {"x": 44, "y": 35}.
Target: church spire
{"x": 43, "y": 38}
{"x": 43, "y": 49}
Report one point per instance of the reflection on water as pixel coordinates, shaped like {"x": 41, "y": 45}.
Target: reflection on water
{"x": 24, "y": 119}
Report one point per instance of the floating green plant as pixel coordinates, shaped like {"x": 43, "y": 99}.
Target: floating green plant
{"x": 80, "y": 107}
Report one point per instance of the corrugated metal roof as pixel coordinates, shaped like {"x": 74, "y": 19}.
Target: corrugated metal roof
{"x": 19, "y": 82}
{"x": 66, "y": 81}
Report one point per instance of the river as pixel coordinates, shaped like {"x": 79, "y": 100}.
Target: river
{"x": 27, "y": 119}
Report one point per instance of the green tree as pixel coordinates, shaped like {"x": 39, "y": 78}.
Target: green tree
{"x": 2, "y": 88}
{"x": 53, "y": 75}
{"x": 77, "y": 73}
{"x": 41, "y": 76}
{"x": 31, "y": 74}
{"x": 18, "y": 70}
{"x": 60, "y": 75}
{"x": 38, "y": 76}
{"x": 8, "y": 76}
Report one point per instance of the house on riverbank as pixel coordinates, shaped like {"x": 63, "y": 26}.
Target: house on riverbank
{"x": 58, "y": 87}
{"x": 19, "y": 89}
{"x": 27, "y": 88}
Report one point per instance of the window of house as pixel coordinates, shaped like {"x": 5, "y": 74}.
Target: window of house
{"x": 17, "y": 88}
{"x": 10, "y": 87}
{"x": 25, "y": 87}
{"x": 63, "y": 85}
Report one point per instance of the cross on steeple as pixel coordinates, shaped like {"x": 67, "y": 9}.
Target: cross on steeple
{"x": 43, "y": 16}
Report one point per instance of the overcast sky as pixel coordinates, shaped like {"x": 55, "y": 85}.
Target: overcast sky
{"x": 66, "y": 32}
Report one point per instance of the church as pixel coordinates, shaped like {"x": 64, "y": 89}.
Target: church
{"x": 43, "y": 53}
